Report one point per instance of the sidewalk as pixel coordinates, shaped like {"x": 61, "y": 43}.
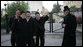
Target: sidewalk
{"x": 79, "y": 28}
{"x": 51, "y": 39}
{"x": 58, "y": 26}
{"x": 3, "y": 31}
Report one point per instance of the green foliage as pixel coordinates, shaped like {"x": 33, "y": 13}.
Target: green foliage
{"x": 11, "y": 8}
{"x": 3, "y": 22}
{"x": 73, "y": 8}
{"x": 62, "y": 16}
{"x": 56, "y": 8}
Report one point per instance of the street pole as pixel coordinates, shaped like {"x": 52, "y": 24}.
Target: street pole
{"x": 50, "y": 21}
{"x": 6, "y": 20}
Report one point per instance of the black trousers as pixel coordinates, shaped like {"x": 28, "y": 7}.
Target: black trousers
{"x": 41, "y": 38}
{"x": 31, "y": 42}
{"x": 22, "y": 42}
{"x": 13, "y": 39}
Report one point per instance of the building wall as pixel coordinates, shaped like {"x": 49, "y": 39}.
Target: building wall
{"x": 35, "y": 5}
{"x": 72, "y": 3}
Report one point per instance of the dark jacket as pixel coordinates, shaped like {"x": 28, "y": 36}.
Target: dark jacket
{"x": 69, "y": 38}
{"x": 11, "y": 24}
{"x": 40, "y": 24}
{"x": 25, "y": 30}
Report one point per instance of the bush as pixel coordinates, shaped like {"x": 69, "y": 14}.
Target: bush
{"x": 62, "y": 16}
{"x": 3, "y": 22}
{"x": 11, "y": 8}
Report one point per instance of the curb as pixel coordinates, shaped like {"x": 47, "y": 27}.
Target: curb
{"x": 78, "y": 30}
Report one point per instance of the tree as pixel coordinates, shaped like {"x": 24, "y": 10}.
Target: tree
{"x": 11, "y": 8}
{"x": 73, "y": 8}
{"x": 56, "y": 8}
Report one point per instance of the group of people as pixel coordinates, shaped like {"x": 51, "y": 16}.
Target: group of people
{"x": 27, "y": 30}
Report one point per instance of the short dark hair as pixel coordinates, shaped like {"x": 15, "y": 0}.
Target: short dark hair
{"x": 27, "y": 11}
{"x": 18, "y": 9}
{"x": 22, "y": 12}
{"x": 37, "y": 13}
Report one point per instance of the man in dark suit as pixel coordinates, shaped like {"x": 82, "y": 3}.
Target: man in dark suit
{"x": 69, "y": 25}
{"x": 31, "y": 33}
{"x": 10, "y": 24}
{"x": 20, "y": 26}
{"x": 40, "y": 21}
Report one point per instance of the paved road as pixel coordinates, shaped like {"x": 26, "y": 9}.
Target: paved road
{"x": 51, "y": 39}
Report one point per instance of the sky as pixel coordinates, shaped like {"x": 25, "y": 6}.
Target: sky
{"x": 47, "y": 4}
